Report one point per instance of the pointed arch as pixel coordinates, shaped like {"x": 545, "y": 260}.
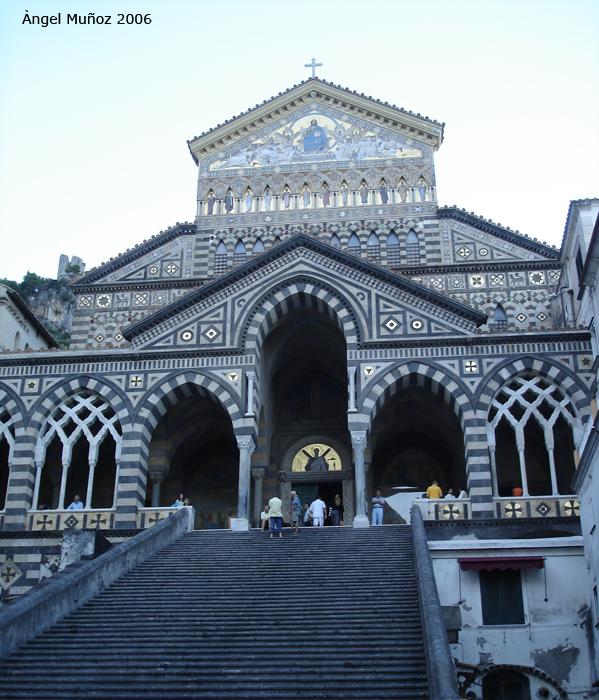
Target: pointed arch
{"x": 258, "y": 247}
{"x": 412, "y": 248}
{"x": 373, "y": 247}
{"x": 499, "y": 316}
{"x": 300, "y": 292}
{"x": 221, "y": 256}
{"x": 393, "y": 250}
{"x": 353, "y": 244}
{"x": 239, "y": 253}
{"x": 335, "y": 242}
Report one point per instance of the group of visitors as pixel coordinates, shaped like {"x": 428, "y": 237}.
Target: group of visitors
{"x": 434, "y": 491}
{"x": 315, "y": 514}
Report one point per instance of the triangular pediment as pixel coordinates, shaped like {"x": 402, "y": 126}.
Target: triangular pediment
{"x": 386, "y": 307}
{"x": 473, "y": 239}
{"x": 315, "y": 120}
{"x": 165, "y": 256}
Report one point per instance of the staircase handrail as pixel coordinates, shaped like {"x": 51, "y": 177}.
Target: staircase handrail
{"x": 56, "y": 597}
{"x": 439, "y": 663}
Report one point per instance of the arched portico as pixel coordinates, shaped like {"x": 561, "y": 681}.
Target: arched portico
{"x": 193, "y": 442}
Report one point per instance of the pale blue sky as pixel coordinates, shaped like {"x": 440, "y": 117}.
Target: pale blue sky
{"x": 94, "y": 120}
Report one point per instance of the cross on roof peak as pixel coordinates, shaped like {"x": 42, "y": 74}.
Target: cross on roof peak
{"x": 313, "y": 65}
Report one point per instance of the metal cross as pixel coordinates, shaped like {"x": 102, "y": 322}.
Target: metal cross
{"x": 313, "y": 65}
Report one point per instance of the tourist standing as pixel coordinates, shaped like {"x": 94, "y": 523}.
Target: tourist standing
{"x": 434, "y": 490}
{"x": 318, "y": 508}
{"x": 336, "y": 511}
{"x": 297, "y": 513}
{"x": 275, "y": 516}
{"x": 378, "y": 503}
{"x": 77, "y": 504}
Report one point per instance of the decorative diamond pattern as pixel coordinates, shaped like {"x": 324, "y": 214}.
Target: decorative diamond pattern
{"x": 9, "y": 573}
{"x": 210, "y": 333}
{"x": 497, "y": 279}
{"x": 477, "y": 281}
{"x": 543, "y": 509}
{"x": 140, "y": 298}
{"x": 541, "y": 316}
{"x": 71, "y": 521}
{"x": 99, "y": 338}
{"x": 464, "y": 252}
{"x": 391, "y": 324}
{"x": 171, "y": 268}
{"x": 471, "y": 366}
{"x": 521, "y": 317}
{"x": 85, "y": 302}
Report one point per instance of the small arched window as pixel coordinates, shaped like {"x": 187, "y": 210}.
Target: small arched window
{"x": 499, "y": 316}
{"x": 239, "y": 254}
{"x": 412, "y": 248}
{"x": 373, "y": 247}
{"x": 392, "y": 250}
{"x": 258, "y": 246}
{"x": 335, "y": 242}
{"x": 353, "y": 244}
{"x": 17, "y": 344}
{"x": 220, "y": 258}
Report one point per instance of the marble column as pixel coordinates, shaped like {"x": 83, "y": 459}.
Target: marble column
{"x": 36, "y": 487}
{"x": 251, "y": 377}
{"x": 246, "y": 446}
{"x": 156, "y": 481}
{"x": 351, "y": 389}
{"x": 63, "y": 484}
{"x": 258, "y": 476}
{"x": 90, "y": 484}
{"x": 358, "y": 441}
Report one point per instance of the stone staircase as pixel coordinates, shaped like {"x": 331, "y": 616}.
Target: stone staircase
{"x": 329, "y": 613}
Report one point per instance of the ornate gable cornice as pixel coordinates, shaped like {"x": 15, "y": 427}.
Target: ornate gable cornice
{"x": 301, "y": 240}
{"x": 413, "y": 125}
{"x": 132, "y": 254}
{"x": 498, "y": 230}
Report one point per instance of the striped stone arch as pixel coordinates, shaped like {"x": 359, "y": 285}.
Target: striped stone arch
{"x": 156, "y": 402}
{"x": 136, "y": 442}
{"x": 61, "y": 391}
{"x": 454, "y": 392}
{"x": 303, "y": 292}
{"x": 417, "y": 374}
{"x": 560, "y": 375}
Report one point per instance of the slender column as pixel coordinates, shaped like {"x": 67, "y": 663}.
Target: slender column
{"x": 36, "y": 487}
{"x": 251, "y": 377}
{"x": 116, "y": 483}
{"x": 63, "y": 484}
{"x": 358, "y": 441}
{"x": 520, "y": 446}
{"x": 246, "y": 446}
{"x": 493, "y": 470}
{"x": 156, "y": 480}
{"x": 552, "y": 471}
{"x": 351, "y": 391}
{"x": 90, "y": 484}
{"x": 258, "y": 476}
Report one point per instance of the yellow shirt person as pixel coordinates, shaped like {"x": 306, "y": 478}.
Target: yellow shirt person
{"x": 434, "y": 491}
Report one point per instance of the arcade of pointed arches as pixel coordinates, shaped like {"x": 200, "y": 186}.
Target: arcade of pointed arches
{"x": 531, "y": 431}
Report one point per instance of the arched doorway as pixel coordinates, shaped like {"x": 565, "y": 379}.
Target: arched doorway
{"x": 193, "y": 451}
{"x": 506, "y": 685}
{"x": 304, "y": 372}
{"x": 416, "y": 438}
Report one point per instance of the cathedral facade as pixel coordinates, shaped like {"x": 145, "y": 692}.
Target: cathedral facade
{"x": 323, "y": 325}
{"x": 322, "y": 300}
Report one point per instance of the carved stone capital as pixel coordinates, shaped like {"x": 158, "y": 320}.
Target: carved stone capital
{"x": 245, "y": 442}
{"x": 258, "y": 473}
{"x": 358, "y": 438}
